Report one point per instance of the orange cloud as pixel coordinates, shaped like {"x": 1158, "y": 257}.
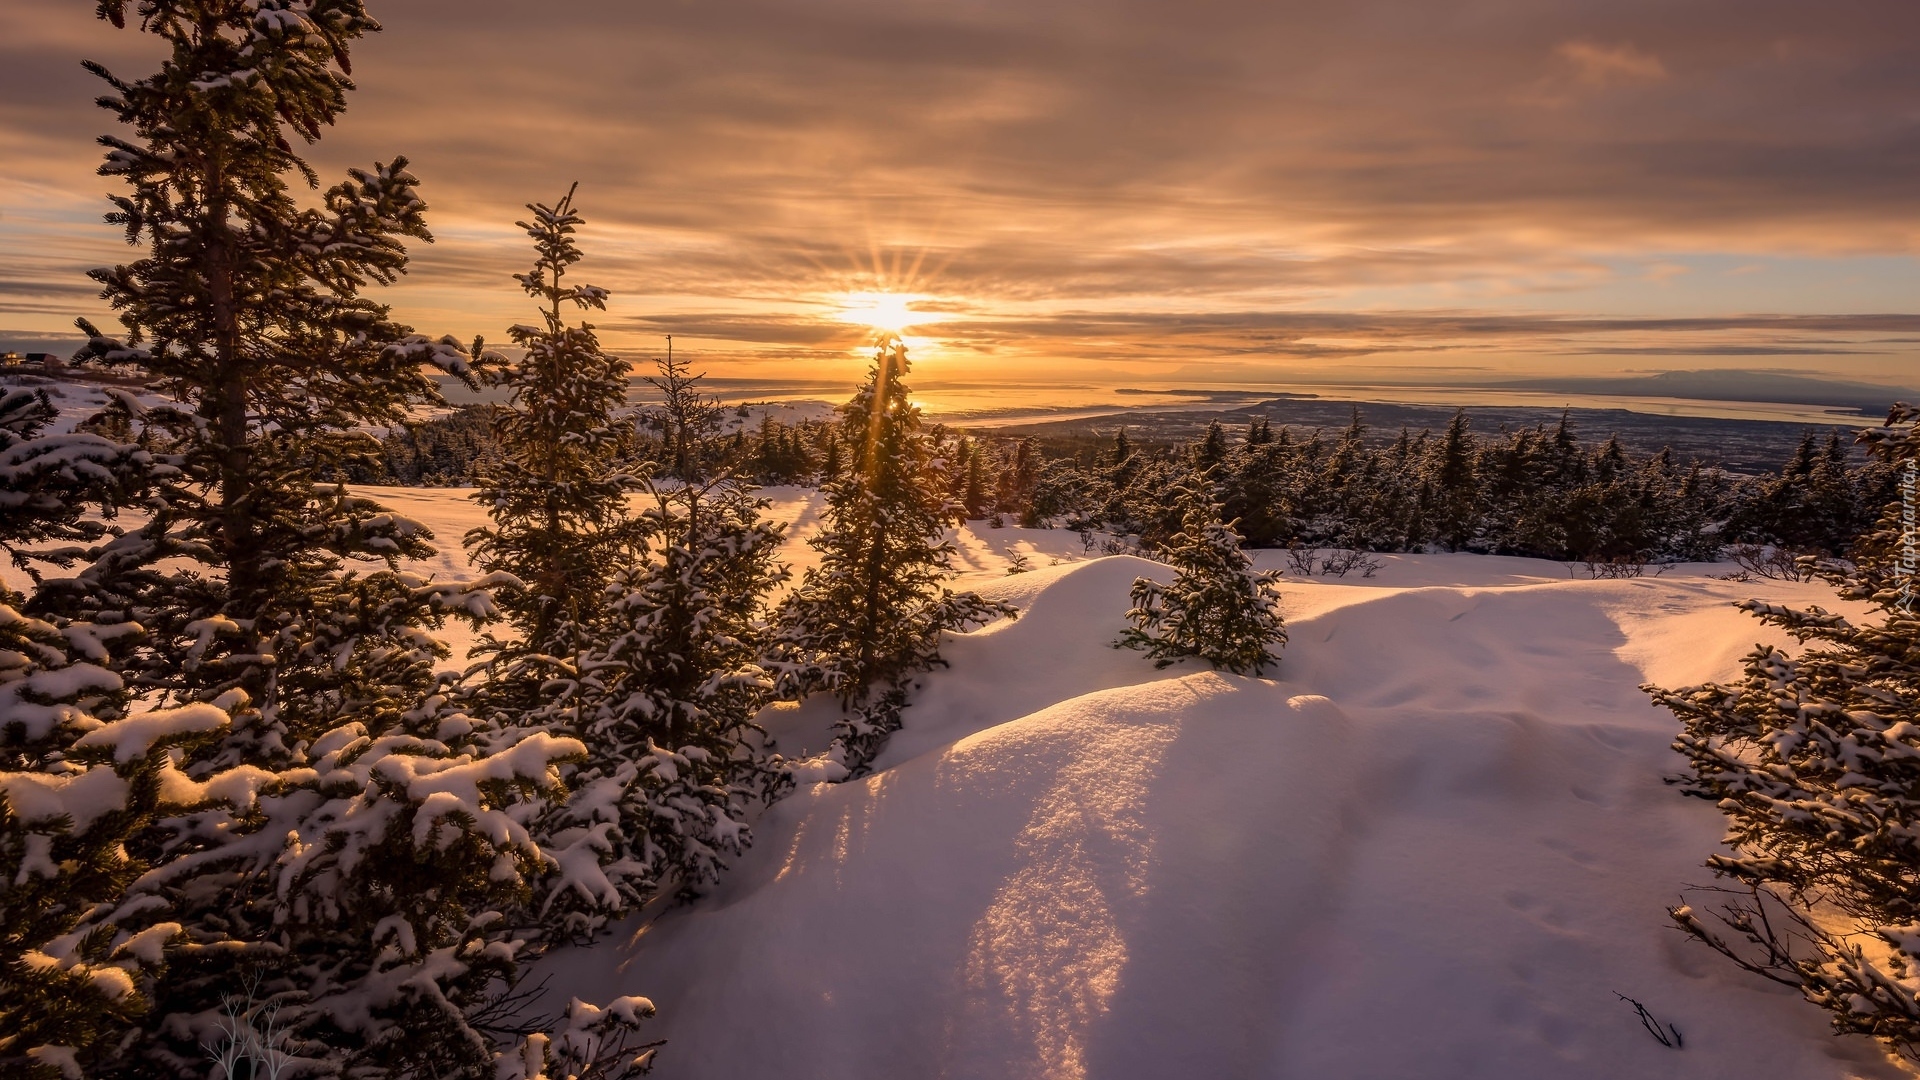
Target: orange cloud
{"x": 1038, "y": 167}
{"x": 1604, "y": 65}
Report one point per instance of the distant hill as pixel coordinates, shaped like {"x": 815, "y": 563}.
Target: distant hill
{"x": 1733, "y": 385}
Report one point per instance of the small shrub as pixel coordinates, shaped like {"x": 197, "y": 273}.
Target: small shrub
{"x": 1218, "y": 607}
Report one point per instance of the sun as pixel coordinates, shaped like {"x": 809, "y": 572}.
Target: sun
{"x": 890, "y": 312}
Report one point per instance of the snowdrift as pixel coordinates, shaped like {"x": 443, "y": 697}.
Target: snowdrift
{"x": 1436, "y": 844}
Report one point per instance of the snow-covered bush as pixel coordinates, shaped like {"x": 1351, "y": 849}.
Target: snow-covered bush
{"x": 1815, "y": 759}
{"x": 79, "y": 780}
{"x": 1218, "y": 607}
{"x": 592, "y": 1043}
{"x": 366, "y": 893}
{"x": 330, "y": 827}
{"x": 667, "y": 701}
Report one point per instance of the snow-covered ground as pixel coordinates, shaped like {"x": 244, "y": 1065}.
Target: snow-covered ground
{"x": 983, "y": 553}
{"x": 1436, "y": 842}
{"x": 77, "y": 399}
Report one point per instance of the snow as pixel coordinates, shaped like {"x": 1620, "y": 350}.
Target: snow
{"x": 789, "y": 413}
{"x": 132, "y": 737}
{"x": 36, "y": 721}
{"x": 1436, "y": 845}
{"x": 82, "y": 797}
{"x": 444, "y": 786}
{"x": 147, "y": 946}
{"x": 59, "y": 1057}
{"x": 76, "y": 399}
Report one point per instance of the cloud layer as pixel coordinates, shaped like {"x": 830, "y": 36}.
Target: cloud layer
{"x": 1112, "y": 180}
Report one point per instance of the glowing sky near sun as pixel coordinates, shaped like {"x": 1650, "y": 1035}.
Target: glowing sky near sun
{"x": 1112, "y": 189}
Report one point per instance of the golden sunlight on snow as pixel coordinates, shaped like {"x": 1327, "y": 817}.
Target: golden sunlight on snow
{"x": 1046, "y": 958}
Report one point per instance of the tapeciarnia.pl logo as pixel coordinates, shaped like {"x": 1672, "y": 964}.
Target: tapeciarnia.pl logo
{"x": 1909, "y": 567}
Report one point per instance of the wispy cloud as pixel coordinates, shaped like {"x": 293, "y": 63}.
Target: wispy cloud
{"x": 1604, "y": 65}
{"x": 1106, "y": 181}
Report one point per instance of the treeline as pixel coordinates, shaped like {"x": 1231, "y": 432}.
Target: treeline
{"x": 1543, "y": 491}
{"x": 1539, "y": 491}
{"x": 454, "y": 449}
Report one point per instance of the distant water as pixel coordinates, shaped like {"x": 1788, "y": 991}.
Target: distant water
{"x": 994, "y": 404}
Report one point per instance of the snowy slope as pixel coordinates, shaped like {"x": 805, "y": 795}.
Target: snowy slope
{"x": 1435, "y": 845}
{"x": 982, "y": 556}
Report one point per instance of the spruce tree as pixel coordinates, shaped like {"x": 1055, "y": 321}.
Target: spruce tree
{"x": 1257, "y": 490}
{"x": 1218, "y": 607}
{"x": 342, "y": 843}
{"x": 1213, "y": 445}
{"x": 871, "y": 613}
{"x": 1452, "y": 475}
{"x": 557, "y": 495}
{"x": 669, "y": 691}
{"x": 1832, "y": 515}
{"x": 1814, "y": 756}
{"x": 830, "y": 463}
{"x": 248, "y": 310}
{"x": 973, "y": 485}
{"x": 1019, "y": 479}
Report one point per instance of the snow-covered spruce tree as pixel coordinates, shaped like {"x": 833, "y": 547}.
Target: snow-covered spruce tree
{"x": 688, "y": 421}
{"x": 668, "y": 695}
{"x": 1218, "y": 607}
{"x": 1451, "y": 473}
{"x": 70, "y": 980}
{"x": 1815, "y": 760}
{"x": 870, "y": 615}
{"x": 80, "y": 781}
{"x": 557, "y": 496}
{"x": 355, "y": 848}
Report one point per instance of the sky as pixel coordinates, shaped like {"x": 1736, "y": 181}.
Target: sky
{"x": 1252, "y": 191}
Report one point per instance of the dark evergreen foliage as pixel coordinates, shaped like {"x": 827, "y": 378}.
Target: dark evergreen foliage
{"x": 1814, "y": 757}
{"x": 667, "y": 691}
{"x": 1217, "y": 607}
{"x": 72, "y": 794}
{"x": 316, "y": 820}
{"x": 1537, "y": 491}
{"x": 872, "y": 612}
{"x": 453, "y": 450}
{"x": 557, "y": 495}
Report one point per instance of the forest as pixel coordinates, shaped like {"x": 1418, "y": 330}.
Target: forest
{"x": 1539, "y": 492}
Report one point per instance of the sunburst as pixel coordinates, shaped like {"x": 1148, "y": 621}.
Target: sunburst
{"x": 887, "y": 312}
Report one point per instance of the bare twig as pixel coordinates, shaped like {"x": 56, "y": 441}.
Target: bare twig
{"x": 1668, "y": 1035}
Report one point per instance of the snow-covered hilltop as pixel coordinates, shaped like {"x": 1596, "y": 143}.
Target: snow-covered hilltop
{"x": 1437, "y": 844}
